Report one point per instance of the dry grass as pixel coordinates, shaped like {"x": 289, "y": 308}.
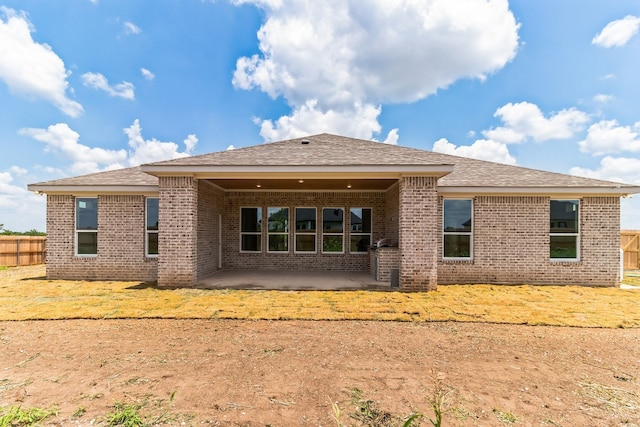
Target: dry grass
{"x": 26, "y": 295}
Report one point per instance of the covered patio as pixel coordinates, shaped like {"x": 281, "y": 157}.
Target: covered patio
{"x": 293, "y": 280}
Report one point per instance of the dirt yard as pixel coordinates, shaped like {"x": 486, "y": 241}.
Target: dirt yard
{"x": 289, "y": 373}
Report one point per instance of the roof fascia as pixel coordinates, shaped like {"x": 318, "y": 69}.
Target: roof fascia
{"x": 540, "y": 191}
{"x": 94, "y": 189}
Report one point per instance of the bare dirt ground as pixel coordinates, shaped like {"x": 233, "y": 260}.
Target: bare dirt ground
{"x": 289, "y": 373}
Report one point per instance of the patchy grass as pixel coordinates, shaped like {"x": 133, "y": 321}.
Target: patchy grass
{"x": 25, "y": 294}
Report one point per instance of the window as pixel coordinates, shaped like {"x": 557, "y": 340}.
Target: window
{"x": 332, "y": 230}
{"x": 278, "y": 229}
{"x": 305, "y": 230}
{"x": 151, "y": 232}
{"x": 457, "y": 228}
{"x": 360, "y": 226}
{"x": 251, "y": 229}
{"x": 86, "y": 226}
{"x": 564, "y": 239}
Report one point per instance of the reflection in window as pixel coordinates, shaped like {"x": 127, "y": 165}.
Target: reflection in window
{"x": 251, "y": 229}
{"x": 333, "y": 230}
{"x": 564, "y": 238}
{"x": 86, "y": 226}
{"x": 151, "y": 231}
{"x": 457, "y": 228}
{"x": 360, "y": 227}
{"x": 278, "y": 229}
{"x": 305, "y": 232}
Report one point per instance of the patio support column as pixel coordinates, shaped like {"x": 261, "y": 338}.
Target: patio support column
{"x": 177, "y": 235}
{"x": 418, "y": 233}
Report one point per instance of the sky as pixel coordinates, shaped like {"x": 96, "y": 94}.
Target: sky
{"x": 92, "y": 85}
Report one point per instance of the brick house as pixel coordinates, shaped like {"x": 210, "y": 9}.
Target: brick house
{"x": 320, "y": 203}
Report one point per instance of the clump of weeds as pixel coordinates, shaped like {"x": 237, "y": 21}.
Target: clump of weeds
{"x": 15, "y": 416}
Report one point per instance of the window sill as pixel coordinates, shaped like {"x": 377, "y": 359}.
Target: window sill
{"x": 457, "y": 260}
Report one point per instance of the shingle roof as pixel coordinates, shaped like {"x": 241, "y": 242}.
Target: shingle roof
{"x": 119, "y": 177}
{"x": 333, "y": 150}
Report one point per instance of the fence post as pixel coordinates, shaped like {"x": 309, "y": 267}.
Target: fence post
{"x": 18, "y": 252}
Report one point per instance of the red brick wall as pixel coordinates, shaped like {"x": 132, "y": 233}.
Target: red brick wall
{"x": 178, "y": 226}
{"x": 210, "y": 206}
{"x": 418, "y": 233}
{"x": 121, "y": 238}
{"x": 233, "y": 259}
{"x": 511, "y": 244}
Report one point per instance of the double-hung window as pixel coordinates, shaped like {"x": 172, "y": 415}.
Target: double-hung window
{"x": 251, "y": 229}
{"x": 86, "y": 226}
{"x": 360, "y": 229}
{"x": 457, "y": 228}
{"x": 305, "y": 234}
{"x": 333, "y": 230}
{"x": 151, "y": 230}
{"x": 278, "y": 229}
{"x": 564, "y": 237}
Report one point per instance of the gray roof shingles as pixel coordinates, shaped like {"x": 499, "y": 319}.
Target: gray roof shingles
{"x": 333, "y": 150}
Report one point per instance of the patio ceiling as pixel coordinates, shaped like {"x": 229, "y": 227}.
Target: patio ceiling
{"x": 304, "y": 184}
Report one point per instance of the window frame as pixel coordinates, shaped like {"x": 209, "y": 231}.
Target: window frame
{"x": 252, "y": 233}
{"x": 333, "y": 234}
{"x": 279, "y": 233}
{"x": 457, "y": 233}
{"x": 296, "y": 232}
{"x": 559, "y": 234}
{"x": 147, "y": 231}
{"x": 79, "y": 231}
{"x": 361, "y": 233}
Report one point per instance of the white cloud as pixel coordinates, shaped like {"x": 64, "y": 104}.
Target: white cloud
{"x": 32, "y": 68}
{"x": 152, "y": 150}
{"x": 231, "y": 147}
{"x": 190, "y": 142}
{"x": 347, "y": 57}
{"x": 525, "y": 121}
{"x": 17, "y": 170}
{"x": 607, "y": 136}
{"x": 62, "y": 140}
{"x": 358, "y": 121}
{"x": 131, "y": 28}
{"x": 392, "y": 137}
{"x": 602, "y": 98}
{"x": 20, "y": 210}
{"x": 147, "y": 74}
{"x": 617, "y": 33}
{"x": 98, "y": 81}
{"x": 482, "y": 149}
{"x": 617, "y": 169}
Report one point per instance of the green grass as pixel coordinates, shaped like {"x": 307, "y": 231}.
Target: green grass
{"x": 15, "y": 416}
{"x": 26, "y": 294}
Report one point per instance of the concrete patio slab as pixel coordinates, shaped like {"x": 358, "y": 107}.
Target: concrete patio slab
{"x": 292, "y": 280}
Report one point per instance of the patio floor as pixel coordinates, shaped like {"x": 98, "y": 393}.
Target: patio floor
{"x": 292, "y": 280}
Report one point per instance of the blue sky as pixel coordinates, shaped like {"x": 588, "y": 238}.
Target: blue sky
{"x": 90, "y": 85}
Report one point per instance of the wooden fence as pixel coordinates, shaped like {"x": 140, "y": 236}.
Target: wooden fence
{"x": 22, "y": 250}
{"x": 630, "y": 244}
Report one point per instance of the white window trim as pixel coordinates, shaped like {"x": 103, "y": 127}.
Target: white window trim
{"x": 251, "y": 233}
{"x": 296, "y": 232}
{"x": 77, "y": 231}
{"x": 459, "y": 233}
{"x": 146, "y": 228}
{"x": 344, "y": 211}
{"x": 370, "y": 234}
{"x": 280, "y": 233}
{"x": 576, "y": 235}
